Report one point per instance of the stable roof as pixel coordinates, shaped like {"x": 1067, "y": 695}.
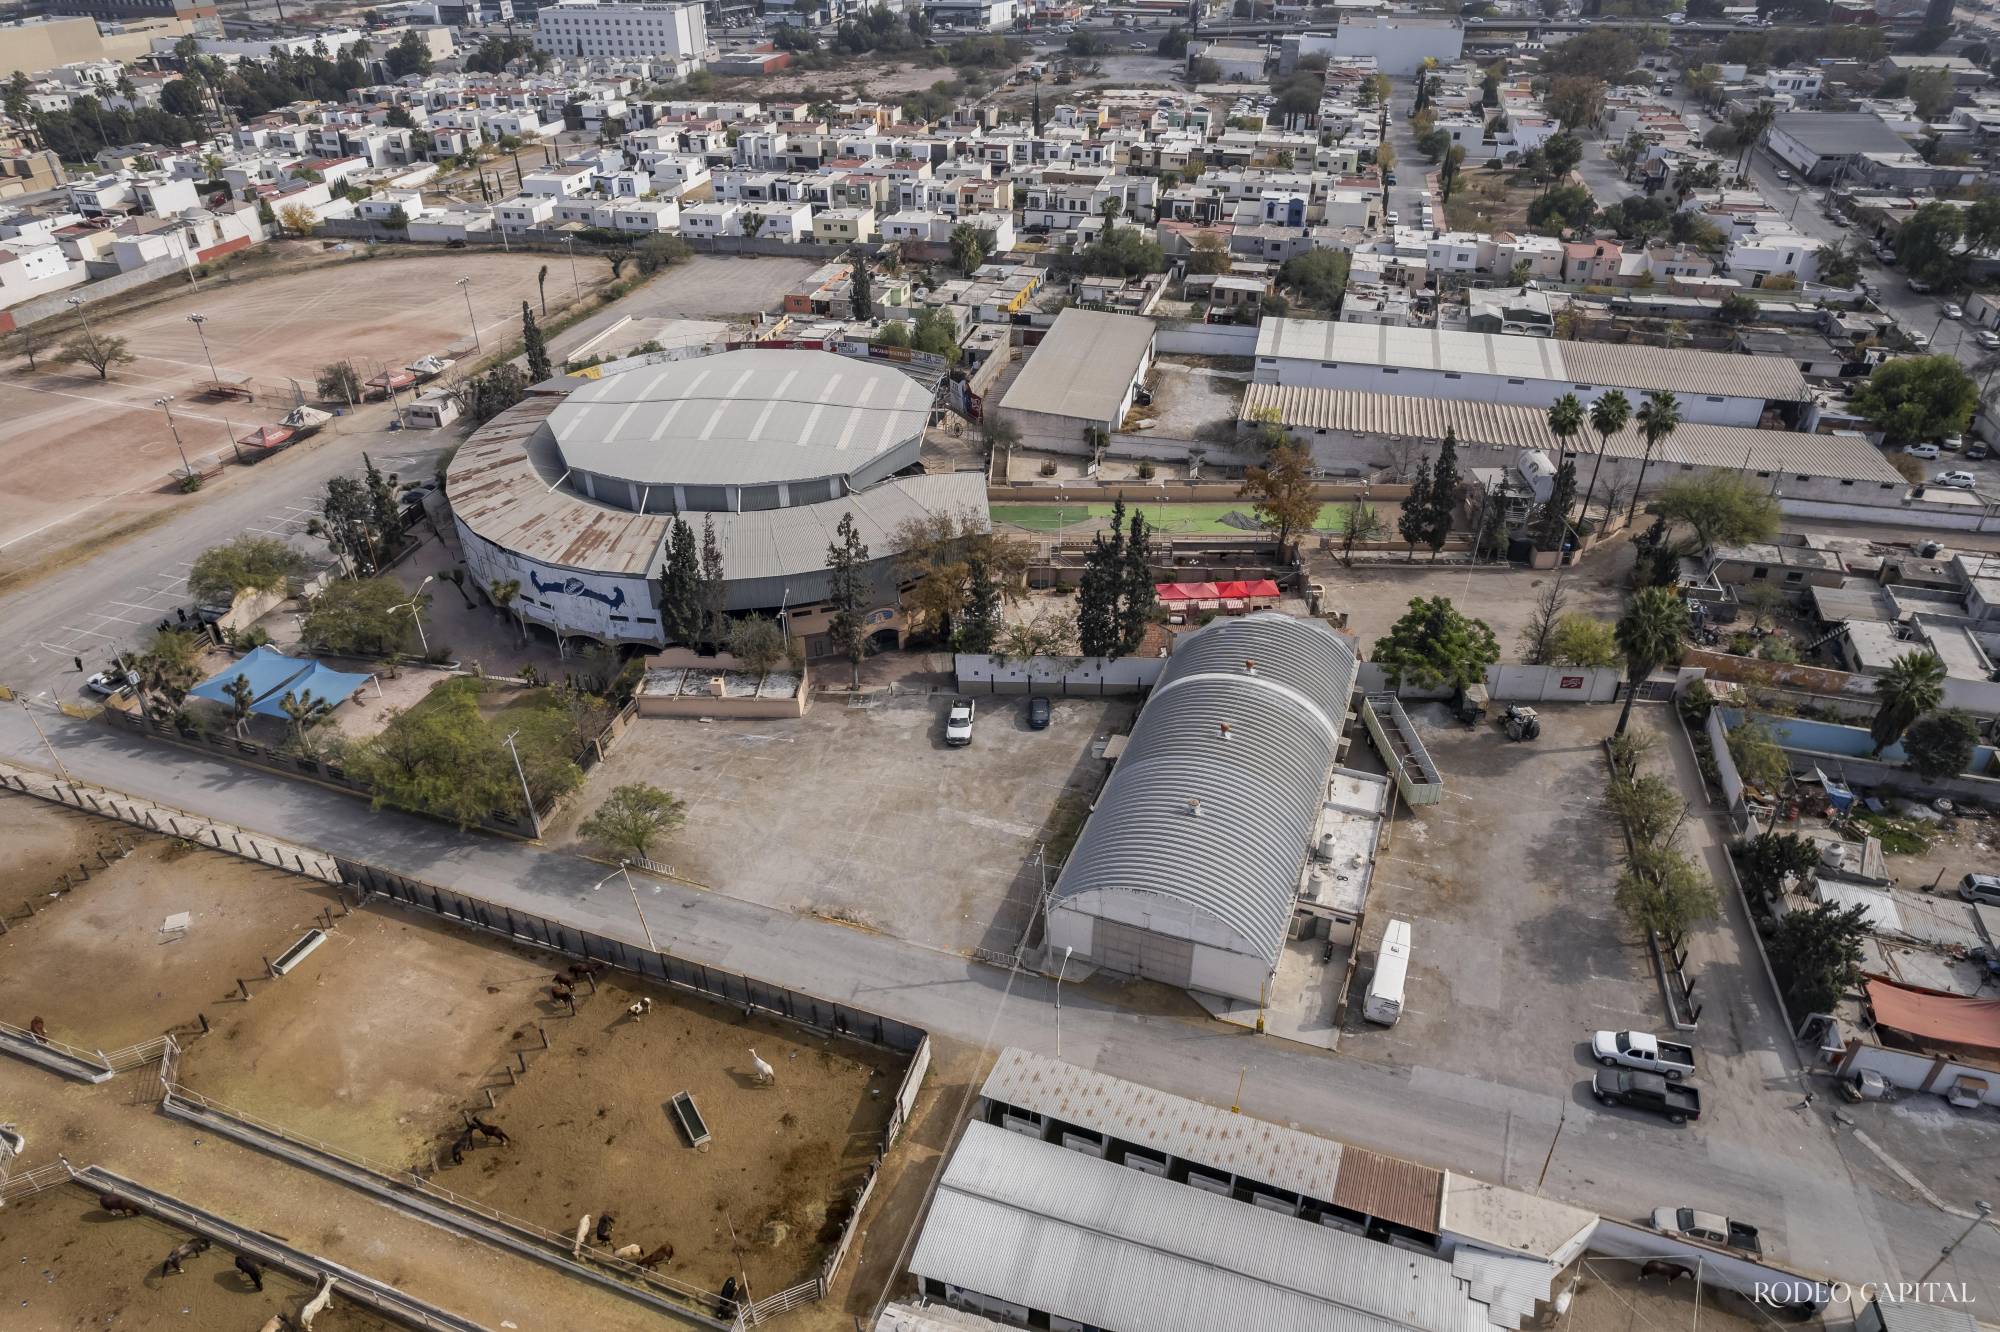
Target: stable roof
{"x": 1587, "y": 365}
{"x": 1247, "y": 719}
{"x": 1033, "y": 1224}
{"x": 757, "y": 415}
{"x": 1084, "y": 367}
{"x": 1941, "y": 1019}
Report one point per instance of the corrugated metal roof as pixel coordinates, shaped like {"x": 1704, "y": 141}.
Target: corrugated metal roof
{"x": 505, "y": 484}
{"x": 1508, "y": 1284}
{"x": 1034, "y": 1224}
{"x": 1497, "y": 1217}
{"x": 1400, "y": 1192}
{"x": 1497, "y": 425}
{"x": 1083, "y": 367}
{"x": 1256, "y": 1149}
{"x": 1517, "y": 356}
{"x": 740, "y": 418}
{"x": 1259, "y": 787}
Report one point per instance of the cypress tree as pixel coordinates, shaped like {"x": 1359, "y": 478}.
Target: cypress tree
{"x": 539, "y": 365}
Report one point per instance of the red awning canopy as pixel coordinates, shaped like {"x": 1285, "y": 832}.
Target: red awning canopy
{"x": 1932, "y": 1015}
{"x": 267, "y": 437}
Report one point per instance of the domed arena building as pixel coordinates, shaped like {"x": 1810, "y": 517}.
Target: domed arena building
{"x": 573, "y": 492}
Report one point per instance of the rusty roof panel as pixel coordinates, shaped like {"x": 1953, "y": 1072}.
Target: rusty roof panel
{"x": 1400, "y": 1192}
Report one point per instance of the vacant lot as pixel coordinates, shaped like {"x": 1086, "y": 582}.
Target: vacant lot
{"x": 863, "y": 814}
{"x": 66, "y": 1265}
{"x": 1376, "y": 596}
{"x": 1517, "y": 951}
{"x": 74, "y": 438}
{"x": 1486, "y": 200}
{"x": 96, "y": 963}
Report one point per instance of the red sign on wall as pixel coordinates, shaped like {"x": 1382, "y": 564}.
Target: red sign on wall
{"x": 1572, "y": 682}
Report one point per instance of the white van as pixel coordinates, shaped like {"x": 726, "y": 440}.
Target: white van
{"x": 1384, "y": 1003}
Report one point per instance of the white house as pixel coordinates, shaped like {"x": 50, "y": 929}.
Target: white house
{"x": 647, "y": 216}
{"x": 711, "y": 219}
{"x": 525, "y": 212}
{"x": 1758, "y": 255}
{"x": 780, "y": 221}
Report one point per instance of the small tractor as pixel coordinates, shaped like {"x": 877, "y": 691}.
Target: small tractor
{"x": 1521, "y": 723}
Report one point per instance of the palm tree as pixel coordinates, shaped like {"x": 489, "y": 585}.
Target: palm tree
{"x": 300, "y": 707}
{"x": 1565, "y": 423}
{"x": 1754, "y": 124}
{"x": 1912, "y": 686}
{"x": 1659, "y": 416}
{"x": 1608, "y": 416}
{"x": 1649, "y": 634}
{"x": 504, "y": 592}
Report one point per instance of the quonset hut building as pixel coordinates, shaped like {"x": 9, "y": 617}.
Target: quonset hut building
{"x": 573, "y": 492}
{"x": 1189, "y": 869}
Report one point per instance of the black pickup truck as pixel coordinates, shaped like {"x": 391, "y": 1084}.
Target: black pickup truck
{"x": 1677, "y": 1102}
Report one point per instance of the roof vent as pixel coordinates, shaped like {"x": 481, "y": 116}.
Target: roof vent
{"x": 1223, "y": 727}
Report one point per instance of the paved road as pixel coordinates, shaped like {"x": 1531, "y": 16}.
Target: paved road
{"x": 1821, "y": 1218}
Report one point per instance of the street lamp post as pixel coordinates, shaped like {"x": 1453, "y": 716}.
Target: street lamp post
{"x": 198, "y": 320}
{"x": 1061, "y": 971}
{"x": 465, "y": 285}
{"x": 78, "y": 304}
{"x": 417, "y": 614}
{"x": 56, "y": 758}
{"x": 570, "y": 243}
{"x": 166, "y": 405}
{"x": 534, "y": 816}
{"x": 1985, "y": 1210}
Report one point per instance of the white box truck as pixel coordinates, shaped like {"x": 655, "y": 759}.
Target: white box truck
{"x": 1384, "y": 1003}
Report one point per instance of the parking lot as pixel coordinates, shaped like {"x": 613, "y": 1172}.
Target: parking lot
{"x": 863, "y": 815}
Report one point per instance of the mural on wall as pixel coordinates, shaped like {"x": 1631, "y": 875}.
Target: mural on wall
{"x": 575, "y": 587}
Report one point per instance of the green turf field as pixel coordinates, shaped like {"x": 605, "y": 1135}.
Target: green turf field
{"x": 1203, "y": 518}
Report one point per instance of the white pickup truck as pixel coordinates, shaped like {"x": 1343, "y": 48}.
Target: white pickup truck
{"x": 1636, "y": 1049}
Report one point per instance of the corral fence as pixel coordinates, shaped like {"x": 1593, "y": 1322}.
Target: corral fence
{"x": 824, "y": 1016}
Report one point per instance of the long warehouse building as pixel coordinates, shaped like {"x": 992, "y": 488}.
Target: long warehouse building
{"x": 1713, "y": 388}
{"x": 1189, "y": 869}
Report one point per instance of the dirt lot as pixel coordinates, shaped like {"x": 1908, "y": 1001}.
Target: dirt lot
{"x": 75, "y": 439}
{"x": 849, "y": 812}
{"x": 1491, "y": 201}
{"x": 66, "y": 1266}
{"x": 593, "y": 1134}
{"x": 142, "y": 981}
{"x": 1375, "y": 597}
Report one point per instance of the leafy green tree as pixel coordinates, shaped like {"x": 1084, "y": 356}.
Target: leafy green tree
{"x": 1564, "y": 208}
{"x": 1603, "y": 53}
{"x": 633, "y": 818}
{"x": 1941, "y": 744}
{"x": 1913, "y": 399}
{"x": 1659, "y": 417}
{"x": 1318, "y": 276}
{"x": 438, "y": 758}
{"x": 680, "y": 586}
{"x": 1721, "y": 507}
{"x": 1441, "y": 508}
{"x": 860, "y": 291}
{"x": 339, "y": 382}
{"x": 1817, "y": 953}
{"x": 537, "y": 349}
{"x": 1579, "y": 640}
{"x": 1649, "y": 636}
{"x": 1550, "y": 529}
{"x": 979, "y": 623}
{"x": 99, "y": 351}
{"x": 492, "y": 393}
{"x": 847, "y": 583}
{"x": 302, "y": 708}
{"x": 1927, "y": 244}
{"x": 969, "y": 246}
{"x": 1911, "y": 686}
{"x": 1434, "y": 646}
{"x": 1561, "y": 154}
{"x": 1138, "y": 600}
{"x": 758, "y": 643}
{"x": 356, "y": 617}
{"x": 1285, "y": 498}
{"x": 1649, "y": 806}
{"x": 937, "y": 333}
{"x": 1664, "y": 890}
{"x": 1098, "y": 594}
{"x": 1360, "y": 522}
{"x": 712, "y": 590}
{"x": 1767, "y": 859}
{"x": 245, "y": 563}
{"x": 1413, "y": 524}
{"x": 1759, "y": 759}
{"x": 242, "y": 697}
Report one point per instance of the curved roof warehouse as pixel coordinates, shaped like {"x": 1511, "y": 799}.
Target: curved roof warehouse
{"x": 1189, "y": 867}
{"x": 574, "y": 491}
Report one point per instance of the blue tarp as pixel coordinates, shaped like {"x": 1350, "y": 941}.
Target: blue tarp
{"x": 272, "y": 675}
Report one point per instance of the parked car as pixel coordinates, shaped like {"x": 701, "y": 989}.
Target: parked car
{"x": 1953, "y": 310}
{"x": 1393, "y": 218}
{"x": 1925, "y": 451}
{"x": 1886, "y": 257}
{"x": 1675, "y": 1102}
{"x": 1138, "y": 46}
{"x": 1710, "y": 1227}
{"x": 1955, "y": 480}
{"x": 1388, "y": 178}
{"x": 958, "y": 722}
{"x": 1040, "y": 710}
{"x": 1784, "y": 175}
{"x": 1988, "y": 339}
{"x": 1952, "y": 443}
{"x": 1647, "y": 1053}
{"x": 1918, "y": 285}
{"x": 1981, "y": 888}
{"x": 1978, "y": 452}
{"x": 112, "y": 684}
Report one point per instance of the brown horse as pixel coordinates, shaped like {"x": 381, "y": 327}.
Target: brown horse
{"x": 181, "y": 1253}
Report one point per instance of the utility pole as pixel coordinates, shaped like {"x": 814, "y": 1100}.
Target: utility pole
{"x": 166, "y": 405}
{"x": 535, "y": 818}
{"x": 465, "y": 285}
{"x": 198, "y": 320}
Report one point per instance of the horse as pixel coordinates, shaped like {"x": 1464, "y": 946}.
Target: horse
{"x": 315, "y": 1304}
{"x": 460, "y": 1147}
{"x": 117, "y": 1206}
{"x": 639, "y": 1007}
{"x": 181, "y": 1253}
{"x": 561, "y": 993}
{"x": 1659, "y": 1267}
{"x": 663, "y": 1254}
{"x": 582, "y": 1229}
{"x": 578, "y": 970}
{"x": 493, "y": 1131}
{"x": 604, "y": 1224}
{"x": 251, "y": 1272}
{"x": 39, "y": 1030}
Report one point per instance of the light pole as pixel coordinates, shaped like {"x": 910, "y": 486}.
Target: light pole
{"x": 198, "y": 320}
{"x": 1985, "y": 1210}
{"x": 465, "y": 285}
{"x": 534, "y": 816}
{"x": 1060, "y": 973}
{"x": 417, "y": 614}
{"x": 570, "y": 243}
{"x": 166, "y": 405}
{"x": 625, "y": 868}
{"x": 56, "y": 758}
{"x": 82, "y": 312}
